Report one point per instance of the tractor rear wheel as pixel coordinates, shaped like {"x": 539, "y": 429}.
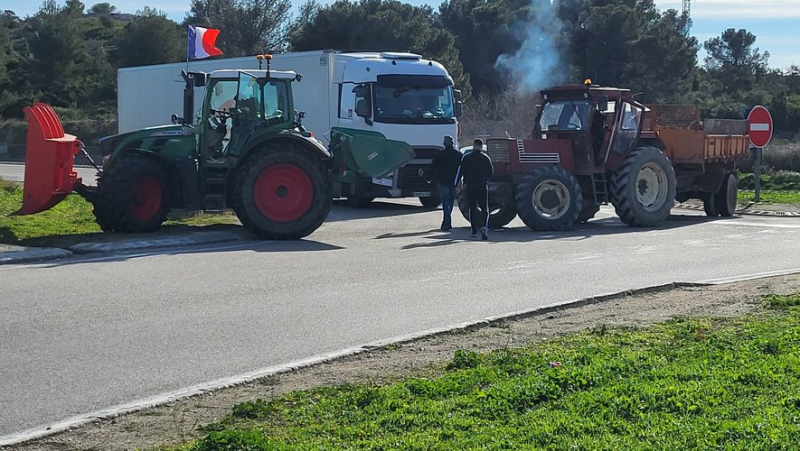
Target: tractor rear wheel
{"x": 643, "y": 188}
{"x": 727, "y": 196}
{"x": 282, "y": 192}
{"x": 549, "y": 198}
{"x": 133, "y": 196}
{"x": 500, "y": 213}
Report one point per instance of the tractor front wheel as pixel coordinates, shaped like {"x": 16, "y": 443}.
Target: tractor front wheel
{"x": 549, "y": 198}
{"x": 500, "y": 213}
{"x": 282, "y": 193}
{"x": 643, "y": 188}
{"x": 133, "y": 196}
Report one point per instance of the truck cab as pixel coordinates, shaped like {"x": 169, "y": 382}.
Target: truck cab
{"x": 404, "y": 98}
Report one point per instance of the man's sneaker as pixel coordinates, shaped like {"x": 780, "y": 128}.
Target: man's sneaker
{"x": 484, "y": 234}
{"x": 473, "y": 234}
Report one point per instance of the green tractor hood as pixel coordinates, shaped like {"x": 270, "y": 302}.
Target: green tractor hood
{"x": 366, "y": 153}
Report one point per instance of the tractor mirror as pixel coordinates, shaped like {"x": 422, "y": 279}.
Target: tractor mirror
{"x": 602, "y": 103}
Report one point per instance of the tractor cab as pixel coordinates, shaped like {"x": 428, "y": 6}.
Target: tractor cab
{"x": 242, "y": 106}
{"x": 590, "y": 120}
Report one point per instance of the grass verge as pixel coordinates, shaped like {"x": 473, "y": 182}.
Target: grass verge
{"x": 684, "y": 384}
{"x": 72, "y": 218}
{"x": 771, "y": 197}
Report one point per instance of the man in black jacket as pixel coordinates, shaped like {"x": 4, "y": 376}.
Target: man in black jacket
{"x": 444, "y": 169}
{"x": 476, "y": 169}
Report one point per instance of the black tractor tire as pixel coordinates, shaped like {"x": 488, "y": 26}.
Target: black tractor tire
{"x": 710, "y": 205}
{"x": 587, "y": 212}
{"x": 727, "y": 196}
{"x": 282, "y": 192}
{"x": 431, "y": 202}
{"x": 499, "y": 214}
{"x": 643, "y": 188}
{"x": 549, "y": 199}
{"x": 133, "y": 196}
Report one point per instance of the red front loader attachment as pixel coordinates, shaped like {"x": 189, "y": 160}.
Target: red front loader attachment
{"x": 49, "y": 155}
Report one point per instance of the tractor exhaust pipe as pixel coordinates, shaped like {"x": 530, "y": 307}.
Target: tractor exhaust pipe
{"x": 188, "y": 97}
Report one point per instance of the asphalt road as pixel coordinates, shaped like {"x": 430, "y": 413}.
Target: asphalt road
{"x": 16, "y": 172}
{"x": 85, "y": 334}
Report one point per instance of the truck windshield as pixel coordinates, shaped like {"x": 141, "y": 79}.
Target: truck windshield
{"x": 565, "y": 115}
{"x": 409, "y": 104}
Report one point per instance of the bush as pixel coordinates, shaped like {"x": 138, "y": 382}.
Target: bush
{"x": 779, "y": 181}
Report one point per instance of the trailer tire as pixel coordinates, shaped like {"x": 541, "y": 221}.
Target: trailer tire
{"x": 727, "y": 196}
{"x": 588, "y": 212}
{"x": 643, "y": 188}
{"x": 355, "y": 194}
{"x": 500, "y": 214}
{"x": 431, "y": 202}
{"x": 710, "y": 205}
{"x": 133, "y": 196}
{"x": 282, "y": 192}
{"x": 549, "y": 199}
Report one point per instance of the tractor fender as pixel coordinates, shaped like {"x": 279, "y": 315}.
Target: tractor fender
{"x": 183, "y": 182}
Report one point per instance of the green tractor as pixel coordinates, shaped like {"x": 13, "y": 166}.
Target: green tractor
{"x": 248, "y": 152}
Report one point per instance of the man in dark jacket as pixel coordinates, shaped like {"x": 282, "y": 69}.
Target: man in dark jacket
{"x": 444, "y": 169}
{"x": 476, "y": 169}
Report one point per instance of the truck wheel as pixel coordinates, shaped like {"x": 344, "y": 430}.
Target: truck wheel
{"x": 133, "y": 196}
{"x": 643, "y": 188}
{"x": 500, "y": 214}
{"x": 549, "y": 198}
{"x": 710, "y": 205}
{"x": 430, "y": 202}
{"x": 355, "y": 194}
{"x": 282, "y": 193}
{"x": 728, "y": 195}
{"x": 587, "y": 212}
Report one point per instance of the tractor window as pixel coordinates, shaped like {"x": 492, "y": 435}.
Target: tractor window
{"x": 572, "y": 115}
{"x": 223, "y": 95}
{"x": 248, "y": 101}
{"x": 628, "y": 128}
{"x": 275, "y": 99}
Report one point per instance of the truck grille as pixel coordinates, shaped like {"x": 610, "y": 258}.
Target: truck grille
{"x": 498, "y": 151}
{"x": 415, "y": 177}
{"x": 425, "y": 152}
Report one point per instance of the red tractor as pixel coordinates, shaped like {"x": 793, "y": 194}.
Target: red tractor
{"x": 595, "y": 145}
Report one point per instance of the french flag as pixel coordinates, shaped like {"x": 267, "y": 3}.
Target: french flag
{"x": 201, "y": 43}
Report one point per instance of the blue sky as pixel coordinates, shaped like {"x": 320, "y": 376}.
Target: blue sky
{"x": 776, "y": 23}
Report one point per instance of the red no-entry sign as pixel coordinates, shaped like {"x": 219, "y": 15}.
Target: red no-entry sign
{"x": 759, "y": 126}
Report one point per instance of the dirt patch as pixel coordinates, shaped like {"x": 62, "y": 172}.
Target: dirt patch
{"x": 178, "y": 421}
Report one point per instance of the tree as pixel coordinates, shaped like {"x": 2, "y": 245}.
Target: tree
{"x": 103, "y": 9}
{"x": 150, "y": 38}
{"x": 247, "y": 27}
{"x": 734, "y": 62}
{"x": 383, "y": 26}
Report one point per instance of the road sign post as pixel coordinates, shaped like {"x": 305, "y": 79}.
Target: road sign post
{"x": 759, "y": 130}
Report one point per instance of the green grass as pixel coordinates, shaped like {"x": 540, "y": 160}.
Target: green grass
{"x": 684, "y": 384}
{"x": 73, "y": 219}
{"x": 771, "y": 197}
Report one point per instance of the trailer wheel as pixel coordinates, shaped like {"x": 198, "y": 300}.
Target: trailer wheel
{"x": 282, "y": 192}
{"x": 728, "y": 195}
{"x": 500, "y": 213}
{"x": 588, "y": 212}
{"x": 643, "y": 188}
{"x": 133, "y": 196}
{"x": 549, "y": 198}
{"x": 355, "y": 194}
{"x": 710, "y": 205}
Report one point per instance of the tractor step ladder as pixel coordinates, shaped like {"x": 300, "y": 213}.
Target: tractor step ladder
{"x": 600, "y": 188}
{"x": 213, "y": 186}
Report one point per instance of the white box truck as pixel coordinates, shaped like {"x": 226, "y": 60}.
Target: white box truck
{"x": 402, "y": 96}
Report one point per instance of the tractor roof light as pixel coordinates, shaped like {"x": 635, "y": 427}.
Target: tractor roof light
{"x": 587, "y": 82}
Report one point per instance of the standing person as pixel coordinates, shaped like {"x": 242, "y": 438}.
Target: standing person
{"x": 444, "y": 169}
{"x": 476, "y": 169}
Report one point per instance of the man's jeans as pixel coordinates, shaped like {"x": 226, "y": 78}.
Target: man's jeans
{"x": 447, "y": 194}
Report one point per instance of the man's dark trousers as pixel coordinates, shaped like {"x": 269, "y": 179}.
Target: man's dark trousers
{"x": 478, "y": 198}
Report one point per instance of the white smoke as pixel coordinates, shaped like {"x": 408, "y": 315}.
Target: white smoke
{"x": 537, "y": 64}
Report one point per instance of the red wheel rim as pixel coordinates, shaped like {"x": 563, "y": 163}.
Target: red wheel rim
{"x": 283, "y": 193}
{"x": 147, "y": 196}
